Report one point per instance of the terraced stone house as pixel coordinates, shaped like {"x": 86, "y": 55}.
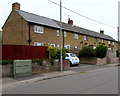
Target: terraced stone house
{"x": 24, "y": 28}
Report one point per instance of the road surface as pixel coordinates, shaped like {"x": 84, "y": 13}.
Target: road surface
{"x": 103, "y": 81}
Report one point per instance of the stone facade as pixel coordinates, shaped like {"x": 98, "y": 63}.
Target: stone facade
{"x": 37, "y": 68}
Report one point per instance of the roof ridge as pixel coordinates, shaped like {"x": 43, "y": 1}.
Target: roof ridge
{"x": 33, "y": 14}
{"x": 30, "y": 17}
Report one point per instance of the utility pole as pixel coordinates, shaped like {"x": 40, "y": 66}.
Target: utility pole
{"x": 61, "y": 39}
{"x": 119, "y": 42}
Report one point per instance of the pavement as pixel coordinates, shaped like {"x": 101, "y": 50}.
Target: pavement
{"x": 14, "y": 81}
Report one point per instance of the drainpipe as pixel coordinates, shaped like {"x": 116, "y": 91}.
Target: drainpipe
{"x": 29, "y": 40}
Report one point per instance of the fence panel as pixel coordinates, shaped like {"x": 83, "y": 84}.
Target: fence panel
{"x": 22, "y": 52}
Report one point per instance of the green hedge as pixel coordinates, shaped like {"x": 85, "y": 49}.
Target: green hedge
{"x": 101, "y": 51}
{"x": 5, "y": 62}
{"x": 86, "y": 52}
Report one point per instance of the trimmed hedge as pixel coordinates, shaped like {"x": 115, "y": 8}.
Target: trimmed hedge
{"x": 86, "y": 52}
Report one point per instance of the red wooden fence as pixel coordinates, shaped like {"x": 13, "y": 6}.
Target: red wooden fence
{"x": 21, "y": 52}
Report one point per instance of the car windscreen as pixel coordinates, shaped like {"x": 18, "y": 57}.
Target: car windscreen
{"x": 72, "y": 55}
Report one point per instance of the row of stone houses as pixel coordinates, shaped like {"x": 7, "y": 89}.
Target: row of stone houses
{"x": 24, "y": 28}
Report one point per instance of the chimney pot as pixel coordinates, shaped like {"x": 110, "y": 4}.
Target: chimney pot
{"x": 102, "y": 31}
{"x": 70, "y": 21}
{"x": 15, "y": 6}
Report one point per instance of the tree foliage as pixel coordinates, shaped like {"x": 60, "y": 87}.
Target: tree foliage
{"x": 101, "y": 51}
{"x": 86, "y": 52}
{"x": 55, "y": 52}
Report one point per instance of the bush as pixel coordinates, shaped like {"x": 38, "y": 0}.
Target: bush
{"x": 101, "y": 51}
{"x": 86, "y": 52}
{"x": 5, "y": 62}
{"x": 39, "y": 61}
{"x": 55, "y": 52}
{"x": 63, "y": 54}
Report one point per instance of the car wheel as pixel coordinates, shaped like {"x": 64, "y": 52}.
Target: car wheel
{"x": 71, "y": 65}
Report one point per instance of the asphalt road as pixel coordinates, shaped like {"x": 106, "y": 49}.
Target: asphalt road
{"x": 104, "y": 81}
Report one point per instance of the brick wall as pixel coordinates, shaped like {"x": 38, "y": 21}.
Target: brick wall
{"x": 16, "y": 31}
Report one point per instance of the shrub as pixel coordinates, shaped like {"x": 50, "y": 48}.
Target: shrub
{"x": 39, "y": 61}
{"x": 55, "y": 52}
{"x": 5, "y": 62}
{"x": 101, "y": 51}
{"x": 86, "y": 52}
{"x": 63, "y": 54}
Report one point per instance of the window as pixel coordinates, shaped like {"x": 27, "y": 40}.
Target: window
{"x": 95, "y": 39}
{"x": 94, "y": 47}
{"x": 73, "y": 55}
{"x": 76, "y": 47}
{"x": 108, "y": 42}
{"x": 52, "y": 45}
{"x": 58, "y": 33}
{"x": 38, "y": 29}
{"x": 38, "y": 44}
{"x": 67, "y": 55}
{"x": 113, "y": 43}
{"x": 85, "y": 38}
{"x": 67, "y": 46}
{"x": 76, "y": 36}
{"x": 65, "y": 34}
{"x": 102, "y": 41}
{"x": 58, "y": 46}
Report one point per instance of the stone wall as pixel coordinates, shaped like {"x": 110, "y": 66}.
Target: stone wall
{"x": 44, "y": 67}
{"x": 7, "y": 70}
{"x": 88, "y": 60}
{"x": 101, "y": 61}
{"x": 93, "y": 60}
{"x": 112, "y": 57}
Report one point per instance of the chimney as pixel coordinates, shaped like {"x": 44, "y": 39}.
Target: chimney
{"x": 102, "y": 31}
{"x": 70, "y": 21}
{"x": 15, "y": 6}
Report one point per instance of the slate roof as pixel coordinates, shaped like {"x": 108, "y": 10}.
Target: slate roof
{"x": 84, "y": 31}
{"x": 30, "y": 17}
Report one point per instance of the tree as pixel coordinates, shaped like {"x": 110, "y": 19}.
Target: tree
{"x": 101, "y": 51}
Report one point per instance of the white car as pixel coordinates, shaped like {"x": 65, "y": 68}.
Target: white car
{"x": 74, "y": 60}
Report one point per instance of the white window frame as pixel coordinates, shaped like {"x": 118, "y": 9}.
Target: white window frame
{"x": 85, "y": 37}
{"x": 94, "y": 47}
{"x": 76, "y": 47}
{"x": 38, "y": 44}
{"x": 76, "y": 36}
{"x": 108, "y": 42}
{"x": 102, "y": 41}
{"x": 113, "y": 43}
{"x": 67, "y": 47}
{"x": 58, "y": 46}
{"x": 58, "y": 32}
{"x": 96, "y": 39}
{"x": 38, "y": 29}
{"x": 65, "y": 34}
{"x": 52, "y": 45}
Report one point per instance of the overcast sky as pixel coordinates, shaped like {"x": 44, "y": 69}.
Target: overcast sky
{"x": 105, "y": 11}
